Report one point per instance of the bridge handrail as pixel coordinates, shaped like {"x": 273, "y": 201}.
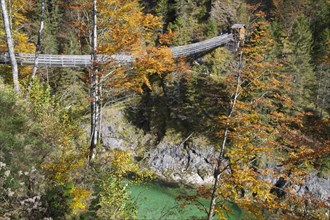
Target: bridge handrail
{"x": 65, "y": 60}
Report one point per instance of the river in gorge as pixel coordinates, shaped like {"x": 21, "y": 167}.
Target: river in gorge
{"x": 157, "y": 201}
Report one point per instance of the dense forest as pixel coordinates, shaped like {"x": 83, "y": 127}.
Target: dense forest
{"x": 245, "y": 123}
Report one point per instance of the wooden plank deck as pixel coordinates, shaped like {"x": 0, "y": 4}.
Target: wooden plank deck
{"x": 51, "y": 60}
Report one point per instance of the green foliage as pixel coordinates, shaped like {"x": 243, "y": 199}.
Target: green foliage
{"x": 279, "y": 37}
{"x": 71, "y": 91}
{"x": 220, "y": 63}
{"x": 324, "y": 169}
{"x": 57, "y": 200}
{"x": 18, "y": 134}
{"x": 113, "y": 200}
{"x": 39, "y": 143}
{"x": 163, "y": 10}
{"x": 40, "y": 99}
{"x": 190, "y": 21}
{"x": 298, "y": 48}
{"x": 22, "y": 151}
{"x": 185, "y": 29}
{"x": 211, "y": 28}
{"x": 319, "y": 16}
{"x": 43, "y": 144}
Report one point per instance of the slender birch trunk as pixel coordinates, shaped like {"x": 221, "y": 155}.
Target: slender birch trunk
{"x": 94, "y": 91}
{"x": 10, "y": 45}
{"x": 38, "y": 46}
{"x": 217, "y": 170}
{"x": 100, "y": 107}
{"x": 10, "y": 13}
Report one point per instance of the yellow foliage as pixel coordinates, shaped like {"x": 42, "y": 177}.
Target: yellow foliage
{"x": 259, "y": 126}
{"x": 121, "y": 163}
{"x": 124, "y": 27}
{"x": 18, "y": 18}
{"x": 22, "y": 43}
{"x": 65, "y": 168}
{"x": 80, "y": 198}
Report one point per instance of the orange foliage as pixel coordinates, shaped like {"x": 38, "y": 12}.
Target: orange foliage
{"x": 167, "y": 38}
{"x": 18, "y": 18}
{"x": 124, "y": 27}
{"x": 22, "y": 42}
{"x": 263, "y": 125}
{"x": 154, "y": 61}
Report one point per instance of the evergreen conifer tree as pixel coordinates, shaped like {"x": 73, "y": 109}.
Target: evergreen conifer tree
{"x": 298, "y": 50}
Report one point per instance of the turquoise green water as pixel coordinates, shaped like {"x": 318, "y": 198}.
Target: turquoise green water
{"x": 156, "y": 201}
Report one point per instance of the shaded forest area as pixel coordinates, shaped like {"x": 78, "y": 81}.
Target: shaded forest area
{"x": 263, "y": 111}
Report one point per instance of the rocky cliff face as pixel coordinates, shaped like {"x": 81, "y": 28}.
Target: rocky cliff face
{"x": 181, "y": 163}
{"x": 316, "y": 186}
{"x": 180, "y": 160}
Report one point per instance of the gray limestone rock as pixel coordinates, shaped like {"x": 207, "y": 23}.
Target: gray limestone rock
{"x": 182, "y": 163}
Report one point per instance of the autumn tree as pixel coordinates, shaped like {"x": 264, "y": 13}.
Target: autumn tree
{"x": 256, "y": 133}
{"x": 124, "y": 28}
{"x": 13, "y": 18}
{"x": 10, "y": 44}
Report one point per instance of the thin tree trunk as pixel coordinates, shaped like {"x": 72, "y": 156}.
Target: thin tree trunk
{"x": 38, "y": 46}
{"x": 94, "y": 91}
{"x": 10, "y": 14}
{"x": 10, "y": 44}
{"x": 217, "y": 170}
{"x": 99, "y": 87}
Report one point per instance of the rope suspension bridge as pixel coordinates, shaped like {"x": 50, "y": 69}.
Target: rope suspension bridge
{"x": 51, "y": 60}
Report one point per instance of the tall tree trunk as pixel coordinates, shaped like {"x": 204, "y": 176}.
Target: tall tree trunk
{"x": 10, "y": 44}
{"x": 94, "y": 92}
{"x": 38, "y": 46}
{"x": 217, "y": 170}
